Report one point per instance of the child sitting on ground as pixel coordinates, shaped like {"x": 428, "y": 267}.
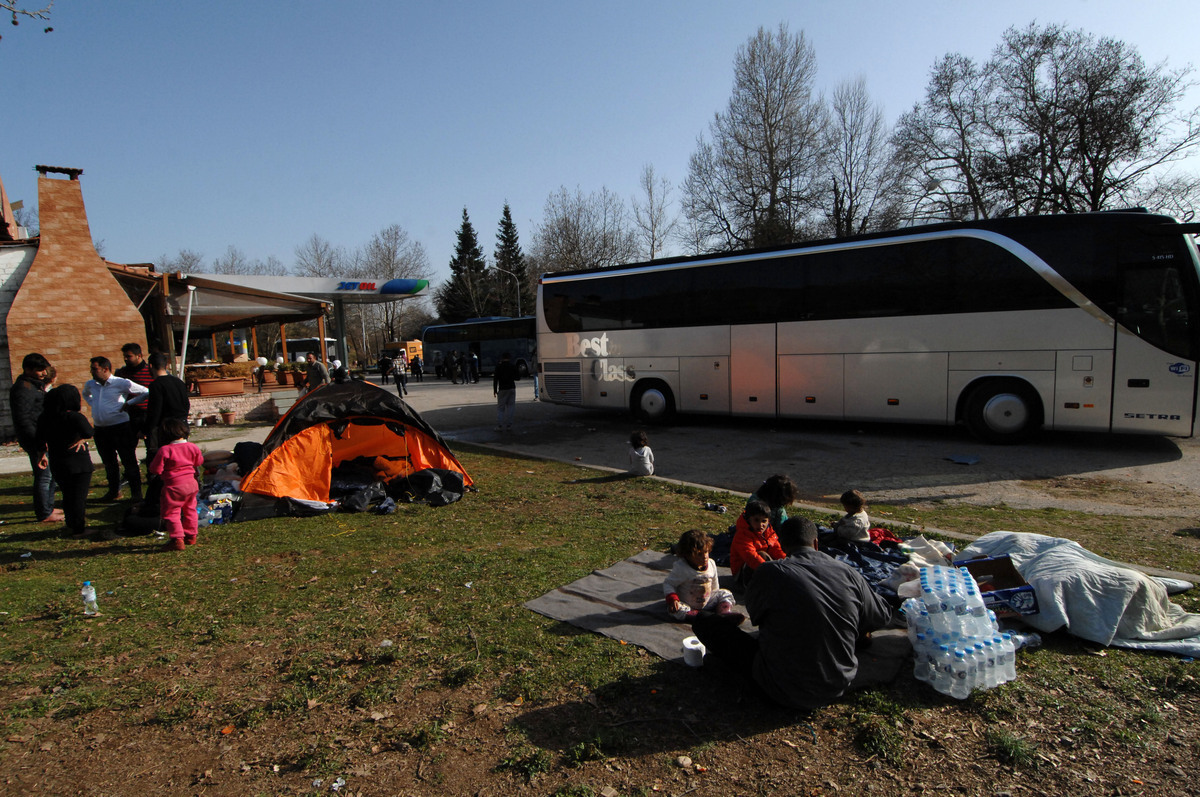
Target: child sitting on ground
{"x": 855, "y": 525}
{"x": 692, "y": 585}
{"x": 778, "y": 492}
{"x": 641, "y": 458}
{"x": 754, "y": 542}
{"x": 179, "y": 463}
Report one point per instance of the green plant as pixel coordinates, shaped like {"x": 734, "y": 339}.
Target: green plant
{"x": 1012, "y": 749}
{"x": 526, "y": 762}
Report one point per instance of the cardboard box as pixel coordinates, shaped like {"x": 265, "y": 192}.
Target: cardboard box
{"x": 1003, "y": 589}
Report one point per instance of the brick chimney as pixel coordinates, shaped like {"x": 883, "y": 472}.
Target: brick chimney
{"x": 70, "y": 308}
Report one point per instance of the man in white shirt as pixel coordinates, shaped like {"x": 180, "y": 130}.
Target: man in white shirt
{"x": 116, "y": 439}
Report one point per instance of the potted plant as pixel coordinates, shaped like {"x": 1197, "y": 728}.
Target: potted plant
{"x": 216, "y": 381}
{"x": 227, "y": 415}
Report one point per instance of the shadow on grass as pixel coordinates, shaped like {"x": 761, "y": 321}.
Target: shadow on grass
{"x": 608, "y": 479}
{"x": 143, "y": 546}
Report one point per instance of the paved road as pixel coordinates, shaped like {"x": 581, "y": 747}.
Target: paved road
{"x": 894, "y": 463}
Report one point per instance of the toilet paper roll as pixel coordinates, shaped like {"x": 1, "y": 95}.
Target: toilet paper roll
{"x": 693, "y": 652}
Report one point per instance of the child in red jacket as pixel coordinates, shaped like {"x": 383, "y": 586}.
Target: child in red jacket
{"x": 754, "y": 542}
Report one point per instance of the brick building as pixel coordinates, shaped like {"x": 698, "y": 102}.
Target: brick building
{"x": 58, "y": 296}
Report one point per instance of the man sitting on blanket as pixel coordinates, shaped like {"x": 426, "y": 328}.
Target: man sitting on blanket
{"x": 810, "y": 610}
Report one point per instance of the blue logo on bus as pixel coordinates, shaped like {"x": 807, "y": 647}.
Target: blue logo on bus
{"x": 1179, "y": 369}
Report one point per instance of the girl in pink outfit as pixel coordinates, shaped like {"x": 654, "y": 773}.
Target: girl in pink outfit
{"x": 178, "y": 463}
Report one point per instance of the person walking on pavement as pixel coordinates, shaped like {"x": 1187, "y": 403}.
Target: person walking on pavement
{"x": 315, "y": 375}
{"x": 504, "y": 388}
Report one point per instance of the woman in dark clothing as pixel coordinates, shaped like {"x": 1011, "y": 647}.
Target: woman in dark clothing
{"x": 62, "y": 433}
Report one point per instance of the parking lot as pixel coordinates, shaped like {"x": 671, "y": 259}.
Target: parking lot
{"x": 1108, "y": 474}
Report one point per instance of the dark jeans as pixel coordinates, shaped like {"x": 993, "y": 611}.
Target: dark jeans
{"x": 401, "y": 383}
{"x": 119, "y": 443}
{"x": 727, "y": 642}
{"x": 74, "y": 491}
{"x": 43, "y": 486}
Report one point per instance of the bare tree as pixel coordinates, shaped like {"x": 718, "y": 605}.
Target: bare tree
{"x": 860, "y": 177}
{"x": 186, "y": 262}
{"x": 392, "y": 254}
{"x": 1057, "y": 121}
{"x": 316, "y": 257}
{"x": 581, "y": 231}
{"x": 26, "y": 217}
{"x": 17, "y": 11}
{"x": 654, "y": 224}
{"x": 757, "y": 181}
{"x": 941, "y": 141}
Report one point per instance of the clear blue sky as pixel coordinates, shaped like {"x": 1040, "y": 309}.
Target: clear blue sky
{"x": 204, "y": 124}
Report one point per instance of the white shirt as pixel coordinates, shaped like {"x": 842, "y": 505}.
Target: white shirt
{"x": 108, "y": 398}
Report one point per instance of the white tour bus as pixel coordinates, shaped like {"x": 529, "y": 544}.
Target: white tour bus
{"x": 1080, "y": 322}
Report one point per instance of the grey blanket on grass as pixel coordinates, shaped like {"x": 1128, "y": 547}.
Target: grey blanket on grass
{"x": 625, "y": 602}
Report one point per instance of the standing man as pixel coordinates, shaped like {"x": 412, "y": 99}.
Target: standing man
{"x": 504, "y": 388}
{"x": 168, "y": 398}
{"x": 385, "y": 368}
{"x": 811, "y": 610}
{"x": 25, "y": 399}
{"x": 418, "y": 368}
{"x": 316, "y": 374}
{"x": 136, "y": 369}
{"x": 109, "y": 395}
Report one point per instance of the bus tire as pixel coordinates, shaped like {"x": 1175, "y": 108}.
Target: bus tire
{"x": 652, "y": 402}
{"x": 1003, "y": 411}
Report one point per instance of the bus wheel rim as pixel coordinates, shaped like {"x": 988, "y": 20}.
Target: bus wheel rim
{"x": 1006, "y": 412}
{"x": 653, "y": 403}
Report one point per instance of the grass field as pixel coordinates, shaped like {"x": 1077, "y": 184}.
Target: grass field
{"x": 394, "y": 652}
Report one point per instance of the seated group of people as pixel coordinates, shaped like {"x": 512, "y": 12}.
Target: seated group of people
{"x": 812, "y": 611}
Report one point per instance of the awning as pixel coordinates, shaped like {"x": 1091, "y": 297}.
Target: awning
{"x": 217, "y": 305}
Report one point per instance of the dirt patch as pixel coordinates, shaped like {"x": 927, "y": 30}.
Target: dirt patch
{"x": 629, "y": 737}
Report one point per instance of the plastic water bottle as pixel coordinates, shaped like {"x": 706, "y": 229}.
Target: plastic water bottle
{"x": 993, "y": 672}
{"x": 1029, "y": 640}
{"x": 943, "y": 679}
{"x": 937, "y": 617}
{"x": 959, "y": 672}
{"x": 1010, "y": 657}
{"x": 924, "y": 663}
{"x": 90, "y": 607}
{"x": 957, "y": 606}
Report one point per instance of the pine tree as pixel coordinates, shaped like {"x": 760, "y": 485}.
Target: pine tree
{"x": 511, "y": 271}
{"x": 465, "y": 294}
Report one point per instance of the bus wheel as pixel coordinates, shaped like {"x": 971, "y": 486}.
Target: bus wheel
{"x": 1003, "y": 411}
{"x": 652, "y": 402}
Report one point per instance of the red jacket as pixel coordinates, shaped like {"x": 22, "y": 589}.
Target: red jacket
{"x": 750, "y": 548}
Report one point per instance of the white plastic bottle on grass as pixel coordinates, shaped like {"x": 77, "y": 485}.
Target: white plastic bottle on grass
{"x": 922, "y": 659}
{"x": 959, "y": 673}
{"x": 943, "y": 678}
{"x": 1010, "y": 657}
{"x": 90, "y": 607}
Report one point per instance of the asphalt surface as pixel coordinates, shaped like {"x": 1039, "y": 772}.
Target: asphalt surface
{"x": 890, "y": 463}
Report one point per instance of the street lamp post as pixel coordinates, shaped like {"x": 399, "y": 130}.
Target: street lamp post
{"x": 517, "y": 280}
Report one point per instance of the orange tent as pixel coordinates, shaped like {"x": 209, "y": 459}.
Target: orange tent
{"x": 361, "y": 425}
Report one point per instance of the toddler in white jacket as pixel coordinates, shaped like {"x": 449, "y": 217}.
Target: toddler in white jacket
{"x": 692, "y": 585}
